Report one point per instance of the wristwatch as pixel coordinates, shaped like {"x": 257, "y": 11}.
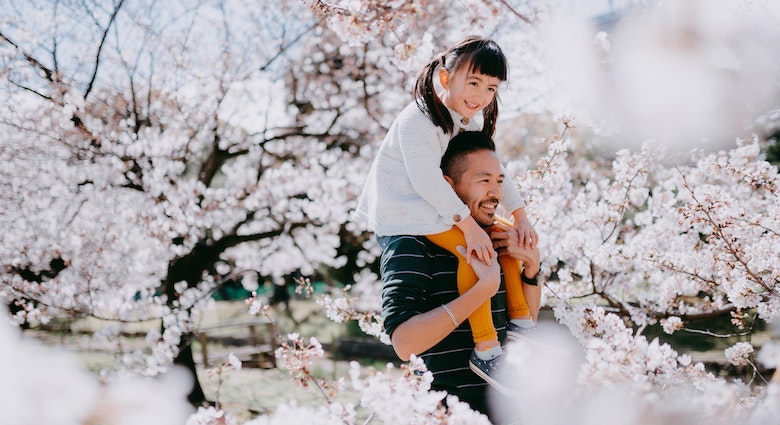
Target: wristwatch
{"x": 533, "y": 281}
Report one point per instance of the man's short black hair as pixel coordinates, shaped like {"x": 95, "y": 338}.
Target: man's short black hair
{"x": 453, "y": 163}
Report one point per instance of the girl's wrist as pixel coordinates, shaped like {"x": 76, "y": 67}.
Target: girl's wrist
{"x": 519, "y": 215}
{"x": 466, "y": 223}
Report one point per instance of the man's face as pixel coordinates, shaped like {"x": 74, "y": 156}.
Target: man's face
{"x": 480, "y": 186}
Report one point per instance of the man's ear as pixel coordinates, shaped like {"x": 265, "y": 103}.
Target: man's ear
{"x": 450, "y": 181}
{"x": 444, "y": 78}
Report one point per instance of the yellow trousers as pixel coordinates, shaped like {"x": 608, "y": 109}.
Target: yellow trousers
{"x": 481, "y": 320}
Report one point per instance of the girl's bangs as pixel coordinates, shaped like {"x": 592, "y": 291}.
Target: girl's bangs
{"x": 488, "y": 60}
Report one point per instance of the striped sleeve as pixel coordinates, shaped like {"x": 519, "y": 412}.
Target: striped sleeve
{"x": 406, "y": 278}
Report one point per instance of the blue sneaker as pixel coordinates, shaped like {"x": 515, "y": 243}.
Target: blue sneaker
{"x": 533, "y": 337}
{"x": 517, "y": 333}
{"x": 493, "y": 373}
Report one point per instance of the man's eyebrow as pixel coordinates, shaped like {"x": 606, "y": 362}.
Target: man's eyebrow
{"x": 480, "y": 174}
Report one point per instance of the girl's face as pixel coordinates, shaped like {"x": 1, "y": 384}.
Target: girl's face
{"x": 467, "y": 92}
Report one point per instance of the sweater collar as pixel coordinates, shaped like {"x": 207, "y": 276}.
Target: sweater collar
{"x": 475, "y": 123}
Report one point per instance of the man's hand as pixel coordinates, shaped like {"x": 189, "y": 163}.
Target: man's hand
{"x": 488, "y": 274}
{"x": 506, "y": 240}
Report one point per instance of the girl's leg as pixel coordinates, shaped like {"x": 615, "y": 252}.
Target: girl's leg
{"x": 481, "y": 320}
{"x": 517, "y": 307}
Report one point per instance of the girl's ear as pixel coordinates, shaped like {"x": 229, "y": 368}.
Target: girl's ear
{"x": 444, "y": 78}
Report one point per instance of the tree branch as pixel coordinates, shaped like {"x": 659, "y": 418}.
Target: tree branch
{"x": 284, "y": 48}
{"x": 718, "y": 230}
{"x": 111, "y": 21}
{"x": 50, "y": 75}
{"x": 516, "y": 13}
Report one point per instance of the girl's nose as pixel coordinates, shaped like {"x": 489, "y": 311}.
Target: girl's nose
{"x": 486, "y": 96}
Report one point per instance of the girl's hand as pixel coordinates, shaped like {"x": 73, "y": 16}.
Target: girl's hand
{"x": 526, "y": 233}
{"x": 478, "y": 242}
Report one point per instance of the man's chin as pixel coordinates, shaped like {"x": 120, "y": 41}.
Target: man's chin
{"x": 485, "y": 220}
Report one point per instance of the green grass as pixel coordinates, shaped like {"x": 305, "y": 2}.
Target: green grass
{"x": 246, "y": 393}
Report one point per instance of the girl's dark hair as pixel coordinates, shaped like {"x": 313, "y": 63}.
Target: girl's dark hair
{"x": 484, "y": 56}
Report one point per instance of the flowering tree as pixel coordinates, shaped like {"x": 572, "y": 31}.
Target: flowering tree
{"x": 155, "y": 152}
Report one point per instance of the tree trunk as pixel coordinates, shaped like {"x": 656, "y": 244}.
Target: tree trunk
{"x": 189, "y": 268}
{"x": 196, "y": 396}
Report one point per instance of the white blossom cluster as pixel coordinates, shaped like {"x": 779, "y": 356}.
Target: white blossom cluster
{"x": 656, "y": 240}
{"x": 297, "y": 356}
{"x": 404, "y": 24}
{"x": 407, "y": 398}
{"x": 360, "y": 21}
{"x": 346, "y": 308}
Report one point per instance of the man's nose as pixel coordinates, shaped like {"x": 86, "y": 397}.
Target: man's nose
{"x": 496, "y": 190}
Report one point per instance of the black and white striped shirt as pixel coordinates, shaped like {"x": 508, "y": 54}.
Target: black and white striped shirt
{"x": 417, "y": 277}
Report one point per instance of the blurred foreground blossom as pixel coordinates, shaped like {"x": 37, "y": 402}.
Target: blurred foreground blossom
{"x": 688, "y": 73}
{"x": 41, "y": 386}
{"x": 44, "y": 386}
{"x": 407, "y": 397}
{"x": 293, "y": 413}
{"x": 211, "y": 416}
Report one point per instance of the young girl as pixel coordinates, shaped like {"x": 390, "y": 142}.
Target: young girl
{"x": 406, "y": 193}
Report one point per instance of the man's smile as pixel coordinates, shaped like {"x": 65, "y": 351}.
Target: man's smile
{"x": 489, "y": 206}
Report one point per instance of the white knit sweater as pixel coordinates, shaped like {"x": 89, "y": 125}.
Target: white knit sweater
{"x": 405, "y": 191}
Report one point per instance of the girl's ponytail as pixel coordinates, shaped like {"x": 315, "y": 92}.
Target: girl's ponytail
{"x": 490, "y": 117}
{"x": 427, "y": 99}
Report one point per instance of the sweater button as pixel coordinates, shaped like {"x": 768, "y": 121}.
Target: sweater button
{"x": 456, "y": 218}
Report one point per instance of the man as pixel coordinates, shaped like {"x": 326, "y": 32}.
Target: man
{"x": 421, "y": 308}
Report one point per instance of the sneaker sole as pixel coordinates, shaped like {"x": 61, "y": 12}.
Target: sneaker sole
{"x": 509, "y": 392}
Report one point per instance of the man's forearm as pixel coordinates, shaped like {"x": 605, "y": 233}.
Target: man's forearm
{"x": 423, "y": 331}
{"x": 533, "y": 297}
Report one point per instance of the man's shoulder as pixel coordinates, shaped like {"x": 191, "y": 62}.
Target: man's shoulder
{"x": 406, "y": 244}
{"x": 408, "y": 252}
{"x": 406, "y": 240}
